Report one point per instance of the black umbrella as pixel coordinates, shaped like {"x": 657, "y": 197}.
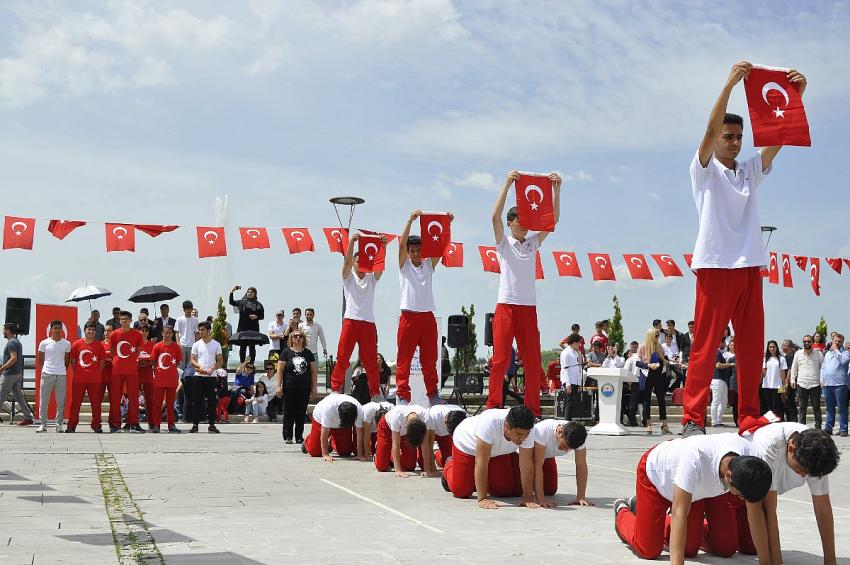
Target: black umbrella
{"x": 248, "y": 337}
{"x": 155, "y": 293}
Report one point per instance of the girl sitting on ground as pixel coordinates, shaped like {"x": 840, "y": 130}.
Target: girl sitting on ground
{"x": 256, "y": 405}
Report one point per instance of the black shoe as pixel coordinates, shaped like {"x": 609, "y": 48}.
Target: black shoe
{"x": 304, "y": 449}
{"x": 691, "y": 429}
{"x": 194, "y": 430}
{"x": 620, "y": 505}
{"x": 126, "y": 427}
{"x": 445, "y": 483}
{"x": 633, "y": 423}
{"x": 97, "y": 430}
{"x": 137, "y": 429}
{"x": 114, "y": 430}
{"x": 70, "y": 430}
{"x": 173, "y": 430}
{"x": 154, "y": 430}
{"x": 213, "y": 430}
{"x": 299, "y": 440}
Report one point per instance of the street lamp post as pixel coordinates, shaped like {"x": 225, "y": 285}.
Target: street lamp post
{"x": 769, "y": 231}
{"x": 352, "y": 202}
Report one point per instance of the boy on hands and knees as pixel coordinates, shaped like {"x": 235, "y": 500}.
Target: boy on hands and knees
{"x": 401, "y": 434}
{"x": 690, "y": 477}
{"x": 553, "y": 438}
{"x": 333, "y": 418}
{"x": 206, "y": 360}
{"x": 516, "y": 310}
{"x": 417, "y": 325}
{"x": 442, "y": 421}
{"x": 484, "y": 455}
{"x": 728, "y": 255}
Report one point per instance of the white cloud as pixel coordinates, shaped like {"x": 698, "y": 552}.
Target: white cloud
{"x": 271, "y": 58}
{"x": 578, "y": 176}
{"x": 654, "y": 196}
{"x": 389, "y": 21}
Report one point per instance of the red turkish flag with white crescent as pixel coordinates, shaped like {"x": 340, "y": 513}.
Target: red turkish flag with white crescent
{"x": 600, "y": 265}
{"x": 836, "y": 263}
{"x": 211, "y": 241}
{"x": 538, "y": 268}
{"x": 787, "y": 279}
{"x": 61, "y": 228}
{"x": 567, "y": 264}
{"x": 776, "y": 109}
{"x": 814, "y": 274}
{"x": 534, "y": 201}
{"x": 489, "y": 259}
{"x": 453, "y": 257}
{"x": 120, "y": 237}
{"x": 155, "y": 230}
{"x": 298, "y": 240}
{"x": 436, "y": 232}
{"x": 18, "y": 232}
{"x": 847, "y": 262}
{"x": 254, "y": 238}
{"x": 370, "y": 254}
{"x": 688, "y": 258}
{"x": 668, "y": 266}
{"x": 638, "y": 267}
{"x": 381, "y": 258}
{"x": 773, "y": 269}
{"x": 337, "y": 239}
{"x": 801, "y": 261}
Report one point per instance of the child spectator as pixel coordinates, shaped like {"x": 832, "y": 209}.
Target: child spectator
{"x": 256, "y": 405}
{"x": 242, "y": 384}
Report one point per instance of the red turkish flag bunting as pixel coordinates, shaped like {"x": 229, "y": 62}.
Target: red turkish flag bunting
{"x": 538, "y": 268}
{"x": 836, "y": 264}
{"x": 120, "y": 237}
{"x": 567, "y": 264}
{"x": 436, "y": 232}
{"x": 18, "y": 233}
{"x": 337, "y": 239}
{"x": 801, "y": 261}
{"x": 534, "y": 200}
{"x": 370, "y": 254}
{"x": 814, "y": 274}
{"x": 298, "y": 240}
{"x": 600, "y": 265}
{"x": 847, "y": 262}
{"x": 668, "y": 266}
{"x": 211, "y": 241}
{"x": 154, "y": 230}
{"x": 254, "y": 238}
{"x": 61, "y": 228}
{"x": 688, "y": 258}
{"x": 787, "y": 279}
{"x": 773, "y": 269}
{"x": 776, "y": 109}
{"x": 638, "y": 267}
{"x": 380, "y": 259}
{"x": 489, "y": 259}
{"x": 453, "y": 257}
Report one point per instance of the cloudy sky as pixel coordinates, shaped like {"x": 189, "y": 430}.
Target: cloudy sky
{"x": 151, "y": 112}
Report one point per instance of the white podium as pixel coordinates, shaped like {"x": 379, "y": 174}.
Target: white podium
{"x": 610, "y": 397}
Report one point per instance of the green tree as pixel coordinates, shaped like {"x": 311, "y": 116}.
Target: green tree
{"x": 615, "y": 329}
{"x": 219, "y": 329}
{"x": 465, "y": 358}
{"x": 822, "y": 329}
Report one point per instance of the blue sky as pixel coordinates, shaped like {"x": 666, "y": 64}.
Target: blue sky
{"x": 149, "y": 112}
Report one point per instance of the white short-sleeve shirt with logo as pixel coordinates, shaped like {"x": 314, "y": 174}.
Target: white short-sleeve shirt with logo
{"x": 54, "y": 355}
{"x": 544, "y": 434}
{"x": 369, "y": 410}
{"x": 437, "y": 417}
{"x": 771, "y": 441}
{"x": 417, "y": 293}
{"x": 397, "y": 417}
{"x": 326, "y": 411}
{"x": 489, "y": 428}
{"x": 517, "y": 261}
{"x": 360, "y": 296}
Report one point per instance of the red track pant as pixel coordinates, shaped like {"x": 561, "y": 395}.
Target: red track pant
{"x": 725, "y": 295}
{"x": 77, "y": 392}
{"x": 732, "y": 515}
{"x": 384, "y": 450}
{"x": 647, "y": 530}
{"x": 550, "y": 476}
{"x": 510, "y": 322}
{"x": 444, "y": 449}
{"x": 503, "y": 477}
{"x": 365, "y": 336}
{"x": 417, "y": 329}
{"x": 148, "y": 393}
{"x": 155, "y": 409}
{"x": 119, "y": 383}
{"x": 342, "y": 441}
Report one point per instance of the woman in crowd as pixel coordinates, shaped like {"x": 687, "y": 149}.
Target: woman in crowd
{"x": 385, "y": 375}
{"x": 242, "y": 385}
{"x": 256, "y": 405}
{"x": 653, "y": 362}
{"x": 250, "y": 313}
{"x": 773, "y": 374}
{"x": 296, "y": 382}
{"x": 819, "y": 343}
{"x": 729, "y": 356}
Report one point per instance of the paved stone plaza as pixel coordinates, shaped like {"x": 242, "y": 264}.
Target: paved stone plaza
{"x": 245, "y": 497}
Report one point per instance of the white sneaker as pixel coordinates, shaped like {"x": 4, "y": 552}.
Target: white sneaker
{"x": 247, "y": 419}
{"x": 59, "y": 429}
{"x": 41, "y": 429}
{"x": 256, "y": 419}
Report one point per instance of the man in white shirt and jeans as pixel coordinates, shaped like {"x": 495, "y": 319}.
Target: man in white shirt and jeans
{"x": 728, "y": 256}
{"x": 54, "y": 355}
{"x": 314, "y": 333}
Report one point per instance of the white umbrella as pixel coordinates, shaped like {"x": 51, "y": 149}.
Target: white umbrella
{"x": 88, "y": 292}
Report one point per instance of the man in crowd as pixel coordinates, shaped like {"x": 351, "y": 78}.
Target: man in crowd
{"x": 88, "y": 355}
{"x": 687, "y": 340}
{"x": 159, "y": 323}
{"x": 314, "y": 333}
{"x": 674, "y": 356}
{"x": 538, "y": 464}
{"x": 597, "y": 354}
{"x": 728, "y": 255}
{"x": 571, "y": 373}
{"x": 575, "y": 329}
{"x": 599, "y": 337}
{"x": 125, "y": 343}
{"x": 186, "y": 328}
{"x": 678, "y": 337}
{"x": 12, "y": 372}
{"x": 166, "y": 356}
{"x": 788, "y": 350}
{"x": 294, "y": 324}
{"x": 805, "y": 379}
{"x": 276, "y": 331}
{"x": 833, "y": 377}
{"x": 95, "y": 319}
{"x": 402, "y": 441}
{"x": 484, "y": 454}
{"x": 516, "y": 304}
{"x": 417, "y": 326}
{"x": 333, "y": 419}
{"x": 54, "y": 355}
{"x": 206, "y": 361}
{"x": 116, "y": 318}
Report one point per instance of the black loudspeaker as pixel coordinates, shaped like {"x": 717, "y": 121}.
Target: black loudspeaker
{"x": 18, "y": 313}
{"x": 470, "y": 383}
{"x": 488, "y": 329}
{"x": 458, "y": 335}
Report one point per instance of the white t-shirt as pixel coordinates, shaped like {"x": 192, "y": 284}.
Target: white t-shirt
{"x": 369, "y": 410}
{"x": 570, "y": 368}
{"x": 729, "y": 230}
{"x": 206, "y": 352}
{"x": 313, "y": 333}
{"x": 615, "y": 362}
{"x": 771, "y": 442}
{"x": 54, "y": 355}
{"x": 397, "y": 417}
{"x": 489, "y": 428}
{"x": 360, "y": 297}
{"x": 326, "y": 412}
{"x": 544, "y": 434}
{"x": 417, "y": 294}
{"x": 437, "y": 417}
{"x": 693, "y": 464}
{"x": 516, "y": 269}
{"x": 773, "y": 376}
{"x": 186, "y": 328}
{"x": 278, "y": 329}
